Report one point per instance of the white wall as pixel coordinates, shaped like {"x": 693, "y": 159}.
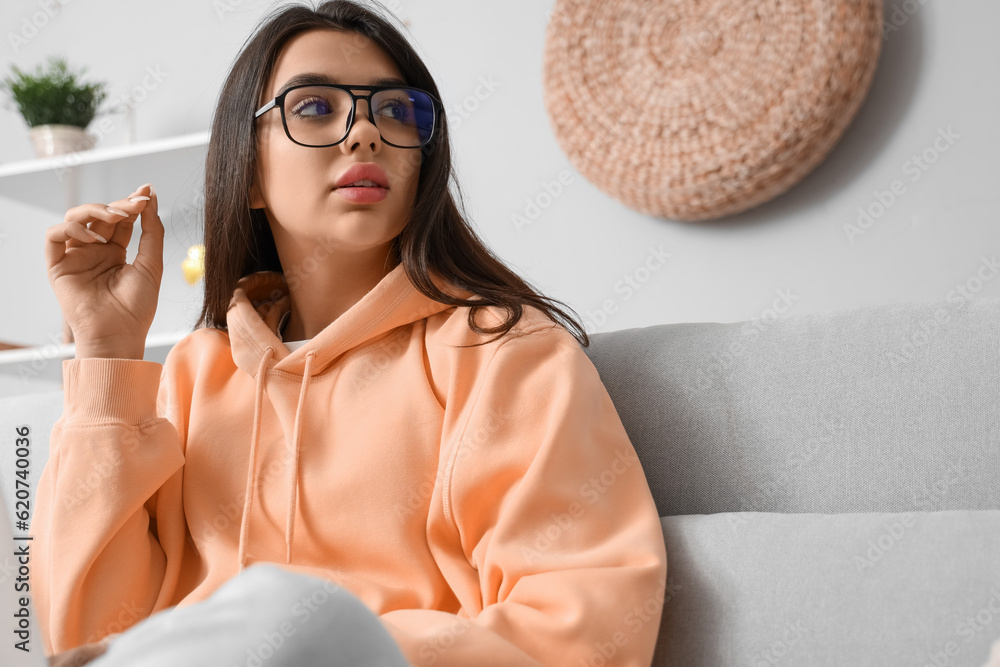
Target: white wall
{"x": 938, "y": 71}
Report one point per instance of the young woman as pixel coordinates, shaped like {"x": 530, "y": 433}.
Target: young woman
{"x": 369, "y": 398}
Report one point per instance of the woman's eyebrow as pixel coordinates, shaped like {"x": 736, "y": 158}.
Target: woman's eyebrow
{"x": 313, "y": 78}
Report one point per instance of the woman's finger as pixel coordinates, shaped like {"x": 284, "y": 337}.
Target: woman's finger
{"x": 105, "y": 218}
{"x": 131, "y": 204}
{"x": 56, "y": 237}
{"x": 85, "y": 213}
{"x": 149, "y": 258}
{"x": 134, "y": 204}
{"x": 84, "y": 234}
{"x": 97, "y": 217}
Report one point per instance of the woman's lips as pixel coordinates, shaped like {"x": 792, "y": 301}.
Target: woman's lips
{"x": 363, "y": 195}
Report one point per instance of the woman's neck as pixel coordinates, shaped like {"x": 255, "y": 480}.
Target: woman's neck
{"x": 312, "y": 314}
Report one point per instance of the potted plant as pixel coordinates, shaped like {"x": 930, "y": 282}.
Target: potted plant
{"x": 56, "y": 105}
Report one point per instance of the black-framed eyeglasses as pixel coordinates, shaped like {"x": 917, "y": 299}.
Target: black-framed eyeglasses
{"x": 321, "y": 115}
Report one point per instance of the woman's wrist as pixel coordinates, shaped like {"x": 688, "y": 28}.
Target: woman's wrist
{"x": 86, "y": 350}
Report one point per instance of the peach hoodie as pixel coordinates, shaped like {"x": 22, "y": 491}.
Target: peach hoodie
{"x": 486, "y": 503}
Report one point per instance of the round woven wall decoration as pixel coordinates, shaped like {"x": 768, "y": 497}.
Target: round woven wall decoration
{"x": 698, "y": 109}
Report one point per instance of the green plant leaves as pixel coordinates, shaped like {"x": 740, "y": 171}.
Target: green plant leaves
{"x": 55, "y": 95}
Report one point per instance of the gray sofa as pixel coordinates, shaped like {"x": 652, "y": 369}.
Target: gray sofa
{"x": 829, "y": 484}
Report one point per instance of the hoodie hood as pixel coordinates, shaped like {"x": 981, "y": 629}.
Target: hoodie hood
{"x": 255, "y": 310}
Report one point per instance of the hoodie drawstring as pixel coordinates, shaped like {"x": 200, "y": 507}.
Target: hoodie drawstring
{"x": 293, "y": 469}
{"x": 248, "y": 499}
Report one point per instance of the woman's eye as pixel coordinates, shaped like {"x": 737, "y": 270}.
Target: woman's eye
{"x": 393, "y": 110}
{"x": 322, "y": 108}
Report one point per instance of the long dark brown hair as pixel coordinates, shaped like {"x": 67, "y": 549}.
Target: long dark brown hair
{"x": 437, "y": 237}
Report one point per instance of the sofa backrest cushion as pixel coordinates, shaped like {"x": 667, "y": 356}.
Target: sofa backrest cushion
{"x": 889, "y": 408}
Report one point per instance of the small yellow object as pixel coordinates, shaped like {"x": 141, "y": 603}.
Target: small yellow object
{"x": 194, "y": 265}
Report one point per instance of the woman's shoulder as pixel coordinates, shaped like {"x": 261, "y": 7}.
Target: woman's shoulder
{"x": 452, "y": 327}
{"x": 535, "y": 347}
{"x": 198, "y": 346}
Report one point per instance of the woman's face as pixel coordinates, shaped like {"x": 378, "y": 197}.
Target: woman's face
{"x": 296, "y": 185}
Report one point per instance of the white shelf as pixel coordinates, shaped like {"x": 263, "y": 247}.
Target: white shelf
{"x": 175, "y": 165}
{"x": 68, "y": 351}
{"x": 104, "y": 154}
{"x": 31, "y": 370}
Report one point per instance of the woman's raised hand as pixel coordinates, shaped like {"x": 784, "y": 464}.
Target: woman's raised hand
{"x": 108, "y": 303}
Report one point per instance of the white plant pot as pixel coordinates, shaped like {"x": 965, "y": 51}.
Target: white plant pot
{"x": 60, "y": 139}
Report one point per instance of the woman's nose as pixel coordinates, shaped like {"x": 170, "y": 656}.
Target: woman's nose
{"x": 362, "y": 129}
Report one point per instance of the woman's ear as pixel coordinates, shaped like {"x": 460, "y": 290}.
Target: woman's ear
{"x": 256, "y": 200}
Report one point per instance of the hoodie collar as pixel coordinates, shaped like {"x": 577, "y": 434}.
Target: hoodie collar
{"x": 261, "y": 299}
{"x": 255, "y": 311}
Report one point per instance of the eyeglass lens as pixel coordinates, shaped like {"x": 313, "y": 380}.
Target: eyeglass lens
{"x": 317, "y": 116}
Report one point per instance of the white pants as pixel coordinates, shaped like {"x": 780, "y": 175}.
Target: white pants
{"x": 264, "y": 617}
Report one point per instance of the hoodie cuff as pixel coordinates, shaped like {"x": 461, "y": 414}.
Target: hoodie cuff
{"x": 110, "y": 390}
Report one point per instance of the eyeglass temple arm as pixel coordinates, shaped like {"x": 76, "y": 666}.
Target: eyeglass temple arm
{"x": 264, "y": 108}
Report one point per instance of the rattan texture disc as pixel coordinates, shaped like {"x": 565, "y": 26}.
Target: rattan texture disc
{"x": 699, "y": 109}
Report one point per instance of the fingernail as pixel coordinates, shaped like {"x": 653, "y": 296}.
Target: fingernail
{"x": 115, "y": 210}
{"x": 142, "y": 186}
{"x": 139, "y": 198}
{"x": 97, "y": 236}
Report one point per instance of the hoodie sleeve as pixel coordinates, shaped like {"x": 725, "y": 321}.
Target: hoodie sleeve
{"x": 551, "y": 517}
{"x": 107, "y": 523}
